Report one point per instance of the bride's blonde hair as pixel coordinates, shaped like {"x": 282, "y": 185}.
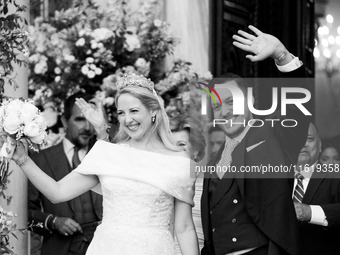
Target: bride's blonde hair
{"x": 143, "y": 89}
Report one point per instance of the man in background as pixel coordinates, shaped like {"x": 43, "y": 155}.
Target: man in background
{"x": 316, "y": 199}
{"x": 67, "y": 227}
{"x": 217, "y": 138}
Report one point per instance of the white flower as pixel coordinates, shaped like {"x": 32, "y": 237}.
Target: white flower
{"x": 140, "y": 62}
{"x": 28, "y": 112}
{"x": 82, "y": 32}
{"x": 109, "y": 101}
{"x": 14, "y": 106}
{"x": 50, "y": 116}
{"x": 26, "y": 51}
{"x": 67, "y": 69}
{"x": 100, "y": 95}
{"x": 176, "y": 77}
{"x": 98, "y": 71}
{"x": 39, "y": 138}
{"x": 109, "y": 83}
{"x": 157, "y": 23}
{"x": 100, "y": 45}
{"x": 131, "y": 42}
{"x": 40, "y": 119}
{"x": 89, "y": 60}
{"x": 34, "y": 58}
{"x": 57, "y": 70}
{"x": 91, "y": 74}
{"x": 54, "y": 39}
{"x": 88, "y": 52}
{"x": 32, "y": 129}
{"x": 94, "y": 45}
{"x": 2, "y": 113}
{"x": 58, "y": 61}
{"x": 12, "y": 123}
{"x": 85, "y": 69}
{"x": 40, "y": 67}
{"x": 142, "y": 66}
{"x": 80, "y": 42}
{"x": 70, "y": 58}
{"x": 93, "y": 67}
{"x": 2, "y": 70}
{"x": 102, "y": 34}
{"x": 57, "y": 79}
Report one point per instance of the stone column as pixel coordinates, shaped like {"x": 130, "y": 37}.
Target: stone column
{"x": 18, "y": 181}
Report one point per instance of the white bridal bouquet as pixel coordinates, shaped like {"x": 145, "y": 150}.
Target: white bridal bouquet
{"x": 19, "y": 119}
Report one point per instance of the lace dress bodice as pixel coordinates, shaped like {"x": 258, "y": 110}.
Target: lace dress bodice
{"x": 138, "y": 200}
{"x": 136, "y": 219}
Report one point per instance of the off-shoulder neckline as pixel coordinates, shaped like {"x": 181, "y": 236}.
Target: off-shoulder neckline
{"x": 157, "y": 153}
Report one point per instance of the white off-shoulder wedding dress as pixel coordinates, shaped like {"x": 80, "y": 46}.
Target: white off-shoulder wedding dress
{"x": 138, "y": 190}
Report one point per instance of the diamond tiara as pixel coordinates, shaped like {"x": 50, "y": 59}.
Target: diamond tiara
{"x": 134, "y": 80}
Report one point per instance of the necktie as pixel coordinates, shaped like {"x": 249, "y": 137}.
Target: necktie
{"x": 226, "y": 159}
{"x": 75, "y": 158}
{"x": 298, "y": 192}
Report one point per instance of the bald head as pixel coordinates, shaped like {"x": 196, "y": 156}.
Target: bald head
{"x": 312, "y": 148}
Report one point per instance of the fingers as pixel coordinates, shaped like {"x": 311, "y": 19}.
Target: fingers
{"x": 253, "y": 58}
{"x": 67, "y": 226}
{"x": 81, "y": 103}
{"x": 76, "y": 227}
{"x": 255, "y": 30}
{"x": 246, "y": 35}
{"x": 241, "y": 40}
{"x": 242, "y": 46}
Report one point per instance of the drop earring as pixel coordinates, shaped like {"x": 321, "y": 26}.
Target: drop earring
{"x": 153, "y": 119}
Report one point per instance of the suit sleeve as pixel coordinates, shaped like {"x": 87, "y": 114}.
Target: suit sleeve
{"x": 293, "y": 139}
{"x": 332, "y": 210}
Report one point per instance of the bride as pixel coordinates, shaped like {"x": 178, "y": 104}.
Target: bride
{"x": 144, "y": 178}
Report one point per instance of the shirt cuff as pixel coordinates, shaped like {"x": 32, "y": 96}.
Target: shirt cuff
{"x": 291, "y": 66}
{"x": 46, "y": 221}
{"x": 318, "y": 216}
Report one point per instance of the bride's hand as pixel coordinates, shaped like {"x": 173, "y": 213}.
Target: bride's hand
{"x": 95, "y": 115}
{"x": 21, "y": 152}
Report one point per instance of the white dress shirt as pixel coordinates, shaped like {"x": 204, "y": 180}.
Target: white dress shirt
{"x": 318, "y": 216}
{"x": 69, "y": 150}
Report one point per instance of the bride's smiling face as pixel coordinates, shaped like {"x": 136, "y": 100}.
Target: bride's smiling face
{"x": 133, "y": 117}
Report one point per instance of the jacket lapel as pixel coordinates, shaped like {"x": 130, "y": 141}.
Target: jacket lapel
{"x": 205, "y": 210}
{"x": 313, "y": 186}
{"x": 238, "y": 161}
{"x": 61, "y": 166}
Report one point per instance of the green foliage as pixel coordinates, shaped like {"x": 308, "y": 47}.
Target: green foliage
{"x": 13, "y": 40}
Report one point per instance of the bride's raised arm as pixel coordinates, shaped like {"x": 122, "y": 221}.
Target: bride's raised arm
{"x": 71, "y": 186}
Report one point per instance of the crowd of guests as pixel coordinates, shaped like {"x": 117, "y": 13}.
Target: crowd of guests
{"x": 233, "y": 214}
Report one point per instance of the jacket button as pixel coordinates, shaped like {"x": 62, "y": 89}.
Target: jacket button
{"x": 211, "y": 212}
{"x": 235, "y": 201}
{"x": 213, "y": 230}
{"x": 234, "y": 240}
{"x": 233, "y": 220}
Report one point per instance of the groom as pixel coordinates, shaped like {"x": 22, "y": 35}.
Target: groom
{"x": 247, "y": 215}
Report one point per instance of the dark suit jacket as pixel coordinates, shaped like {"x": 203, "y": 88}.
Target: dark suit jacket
{"x": 53, "y": 161}
{"x": 267, "y": 201}
{"x": 324, "y": 190}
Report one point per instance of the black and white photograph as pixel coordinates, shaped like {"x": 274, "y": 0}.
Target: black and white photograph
{"x": 169, "y": 127}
